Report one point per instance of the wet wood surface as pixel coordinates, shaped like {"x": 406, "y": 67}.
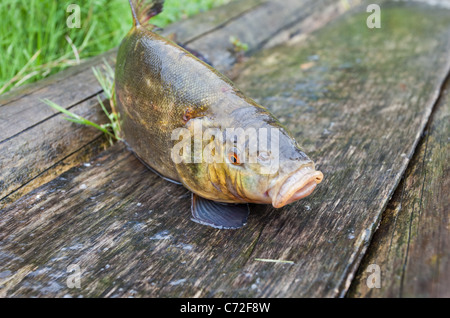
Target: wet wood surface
{"x": 357, "y": 100}
{"x": 412, "y": 245}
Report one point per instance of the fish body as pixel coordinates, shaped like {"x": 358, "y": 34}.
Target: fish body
{"x": 165, "y": 95}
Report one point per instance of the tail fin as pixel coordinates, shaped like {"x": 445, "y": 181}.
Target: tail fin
{"x": 144, "y": 10}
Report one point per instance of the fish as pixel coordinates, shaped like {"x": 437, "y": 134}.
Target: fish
{"x": 191, "y": 125}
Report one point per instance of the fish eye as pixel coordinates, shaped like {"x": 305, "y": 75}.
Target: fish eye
{"x": 233, "y": 157}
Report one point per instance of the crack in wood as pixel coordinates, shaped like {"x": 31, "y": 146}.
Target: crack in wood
{"x": 51, "y": 116}
{"x": 224, "y": 24}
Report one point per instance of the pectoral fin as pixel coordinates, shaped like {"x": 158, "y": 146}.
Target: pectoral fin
{"x": 218, "y": 215}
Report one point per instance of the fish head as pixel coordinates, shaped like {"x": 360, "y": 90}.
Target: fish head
{"x": 276, "y": 171}
{"x": 257, "y": 162}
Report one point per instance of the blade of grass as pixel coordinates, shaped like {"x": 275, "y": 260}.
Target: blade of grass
{"x": 106, "y": 81}
{"x": 77, "y": 118}
{"x": 16, "y": 77}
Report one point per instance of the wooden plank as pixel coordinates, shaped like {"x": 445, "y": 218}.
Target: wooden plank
{"x": 46, "y": 174}
{"x": 67, "y": 89}
{"x": 412, "y": 244}
{"x": 24, "y": 119}
{"x": 132, "y": 221}
{"x": 188, "y": 30}
{"x": 42, "y": 146}
{"x": 262, "y": 25}
{"x": 354, "y": 94}
{"x": 20, "y": 92}
{"x": 344, "y": 92}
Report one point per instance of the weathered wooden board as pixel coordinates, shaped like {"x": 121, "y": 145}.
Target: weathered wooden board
{"x": 187, "y": 31}
{"x": 356, "y": 99}
{"x": 34, "y": 139}
{"x": 265, "y": 24}
{"x": 68, "y": 90}
{"x": 363, "y": 108}
{"x": 412, "y": 245}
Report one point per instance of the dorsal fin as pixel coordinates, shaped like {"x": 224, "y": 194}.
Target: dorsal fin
{"x": 133, "y": 12}
{"x": 144, "y": 10}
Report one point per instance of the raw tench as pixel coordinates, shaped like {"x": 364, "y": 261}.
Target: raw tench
{"x": 189, "y": 123}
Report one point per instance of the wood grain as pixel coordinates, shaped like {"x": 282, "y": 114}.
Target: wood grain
{"x": 361, "y": 116}
{"x": 186, "y": 31}
{"x": 356, "y": 99}
{"x": 67, "y": 89}
{"x": 412, "y": 245}
{"x": 39, "y": 147}
{"x": 265, "y": 23}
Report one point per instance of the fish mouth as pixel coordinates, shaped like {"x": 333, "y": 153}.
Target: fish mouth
{"x": 298, "y": 185}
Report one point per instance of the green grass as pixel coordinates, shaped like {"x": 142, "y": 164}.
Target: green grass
{"x": 36, "y": 42}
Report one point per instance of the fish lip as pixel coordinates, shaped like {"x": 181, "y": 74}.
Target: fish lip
{"x": 298, "y": 185}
